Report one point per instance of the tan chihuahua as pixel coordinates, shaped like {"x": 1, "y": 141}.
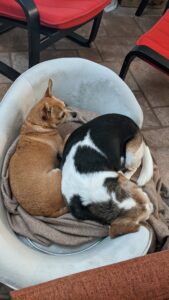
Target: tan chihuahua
{"x": 35, "y": 181}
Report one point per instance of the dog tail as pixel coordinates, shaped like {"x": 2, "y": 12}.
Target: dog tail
{"x": 147, "y": 167}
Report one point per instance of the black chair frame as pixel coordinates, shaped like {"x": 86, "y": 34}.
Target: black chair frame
{"x": 146, "y": 54}
{"x": 143, "y": 5}
{"x": 35, "y": 30}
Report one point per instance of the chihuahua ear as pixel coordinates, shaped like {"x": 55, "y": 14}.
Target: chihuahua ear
{"x": 48, "y": 92}
{"x": 46, "y": 111}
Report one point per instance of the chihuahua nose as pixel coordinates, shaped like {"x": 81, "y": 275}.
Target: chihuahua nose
{"x": 74, "y": 114}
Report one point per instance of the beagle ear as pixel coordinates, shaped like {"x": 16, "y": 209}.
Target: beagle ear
{"x": 48, "y": 92}
{"x": 46, "y": 111}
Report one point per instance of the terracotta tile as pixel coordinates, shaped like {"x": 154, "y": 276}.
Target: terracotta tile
{"x": 66, "y": 44}
{"x": 3, "y": 89}
{"x": 145, "y": 22}
{"x": 52, "y": 54}
{"x": 114, "y": 49}
{"x": 5, "y": 57}
{"x": 158, "y": 138}
{"x": 153, "y": 82}
{"x": 91, "y": 54}
{"x": 152, "y": 11}
{"x": 14, "y": 40}
{"x": 121, "y": 26}
{"x": 141, "y": 99}
{"x": 116, "y": 66}
{"x": 124, "y": 11}
{"x": 86, "y": 29}
{"x": 163, "y": 115}
{"x": 150, "y": 120}
{"x": 130, "y": 11}
{"x": 20, "y": 61}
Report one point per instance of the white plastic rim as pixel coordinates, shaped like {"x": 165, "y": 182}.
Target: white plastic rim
{"x": 34, "y": 267}
{"x": 84, "y": 84}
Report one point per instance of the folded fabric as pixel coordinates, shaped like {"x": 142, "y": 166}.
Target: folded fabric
{"x": 159, "y": 220}
{"x": 68, "y": 231}
{"x": 64, "y": 230}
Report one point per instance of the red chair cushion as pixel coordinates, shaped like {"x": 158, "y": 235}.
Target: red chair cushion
{"x": 57, "y": 13}
{"x": 157, "y": 38}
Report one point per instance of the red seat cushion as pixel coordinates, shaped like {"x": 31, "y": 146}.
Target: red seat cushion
{"x": 157, "y": 38}
{"x": 57, "y": 13}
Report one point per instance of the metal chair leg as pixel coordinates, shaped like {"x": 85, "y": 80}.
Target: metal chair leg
{"x": 33, "y": 21}
{"x": 8, "y": 71}
{"x": 95, "y": 27}
{"x": 75, "y": 37}
{"x": 166, "y": 7}
{"x": 146, "y": 54}
{"x": 141, "y": 7}
{"x": 34, "y": 45}
{"x": 126, "y": 64}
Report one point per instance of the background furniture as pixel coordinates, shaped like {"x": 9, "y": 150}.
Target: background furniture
{"x": 49, "y": 21}
{"x": 144, "y": 278}
{"x": 90, "y": 86}
{"x": 152, "y": 47}
{"x": 8, "y": 71}
{"x": 142, "y": 6}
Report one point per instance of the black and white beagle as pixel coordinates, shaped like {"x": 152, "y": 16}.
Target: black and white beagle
{"x": 94, "y": 158}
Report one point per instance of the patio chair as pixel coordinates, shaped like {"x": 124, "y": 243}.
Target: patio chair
{"x": 52, "y": 19}
{"x": 152, "y": 47}
{"x": 96, "y": 89}
{"x": 142, "y": 6}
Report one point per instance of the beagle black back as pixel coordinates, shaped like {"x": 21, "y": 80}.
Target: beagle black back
{"x": 110, "y": 134}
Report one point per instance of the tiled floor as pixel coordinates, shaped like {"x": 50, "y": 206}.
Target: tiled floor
{"x": 117, "y": 35}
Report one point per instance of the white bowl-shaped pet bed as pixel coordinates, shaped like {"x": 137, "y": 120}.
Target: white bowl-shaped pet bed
{"x": 90, "y": 86}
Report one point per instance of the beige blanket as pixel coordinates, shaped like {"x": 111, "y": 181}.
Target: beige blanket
{"x": 68, "y": 231}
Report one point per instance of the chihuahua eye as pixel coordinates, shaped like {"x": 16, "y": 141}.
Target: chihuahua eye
{"x": 61, "y": 116}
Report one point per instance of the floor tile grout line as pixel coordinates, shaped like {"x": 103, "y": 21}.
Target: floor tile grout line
{"x": 138, "y": 25}
{"x": 99, "y": 52}
{"x": 160, "y": 106}
{"x": 108, "y": 36}
{"x": 156, "y": 128}
{"x": 146, "y": 99}
{"x": 10, "y": 59}
{"x": 135, "y": 82}
{"x": 158, "y": 118}
{"x": 140, "y": 89}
